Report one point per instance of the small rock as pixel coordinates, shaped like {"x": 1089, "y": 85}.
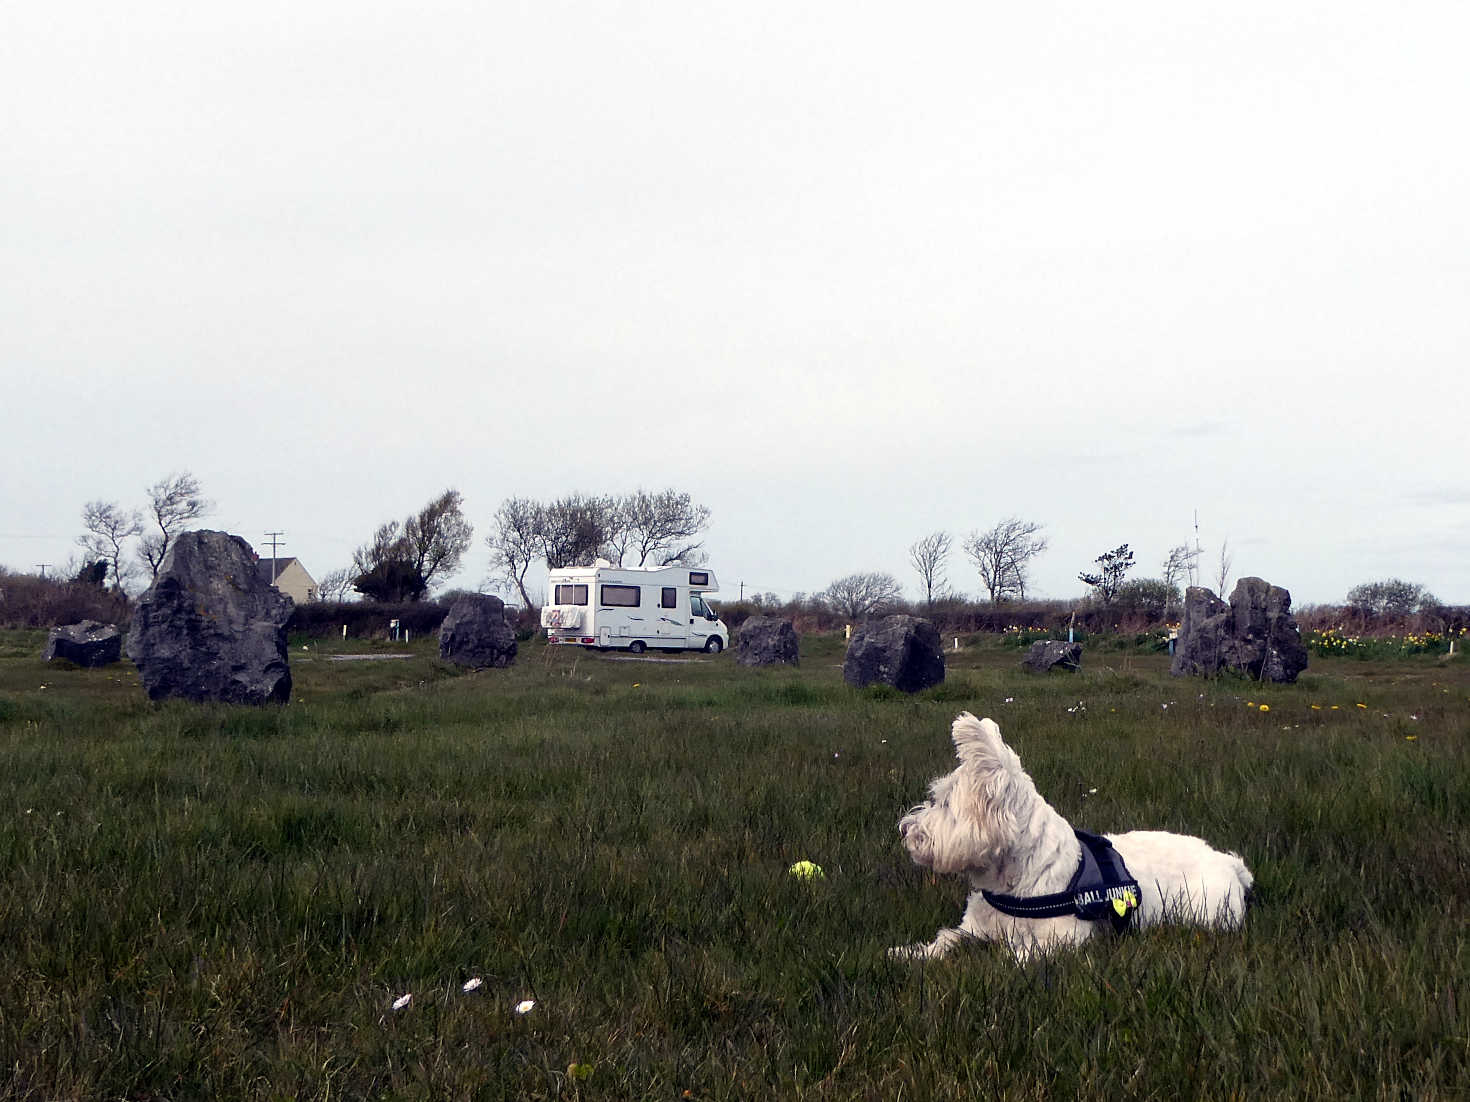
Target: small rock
{"x": 88, "y": 643}
{"x": 767, "y": 641}
{"x": 1051, "y": 654}
{"x": 476, "y": 634}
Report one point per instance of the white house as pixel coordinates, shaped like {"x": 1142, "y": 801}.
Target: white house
{"x": 289, "y": 576}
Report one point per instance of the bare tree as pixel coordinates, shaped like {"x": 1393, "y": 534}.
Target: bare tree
{"x": 661, "y": 527}
{"x": 574, "y": 530}
{"x": 436, "y": 538}
{"x": 383, "y": 547}
{"x": 174, "y": 502}
{"x": 382, "y": 570}
{"x": 928, "y": 555}
{"x": 515, "y": 542}
{"x": 1115, "y": 564}
{"x": 402, "y": 562}
{"x": 1222, "y": 567}
{"x": 1178, "y": 565}
{"x": 858, "y": 596}
{"x": 108, "y": 530}
{"x": 1003, "y": 555}
{"x": 335, "y": 584}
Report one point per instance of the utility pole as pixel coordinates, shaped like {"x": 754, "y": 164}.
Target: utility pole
{"x": 43, "y": 566}
{"x": 275, "y": 542}
{"x": 1194, "y": 564}
{"x": 742, "y": 589}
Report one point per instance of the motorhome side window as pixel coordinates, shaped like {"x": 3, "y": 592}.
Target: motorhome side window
{"x": 669, "y": 598}
{"x": 571, "y": 594}
{"x": 620, "y": 596}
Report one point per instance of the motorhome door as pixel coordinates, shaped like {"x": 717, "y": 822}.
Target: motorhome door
{"x": 671, "y": 626}
{"x": 701, "y": 621}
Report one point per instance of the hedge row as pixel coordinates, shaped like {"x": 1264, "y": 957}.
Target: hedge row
{"x": 364, "y": 619}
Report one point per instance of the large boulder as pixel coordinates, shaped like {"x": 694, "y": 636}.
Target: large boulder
{"x": 1204, "y": 627}
{"x": 476, "y": 634}
{"x": 767, "y": 641}
{"x": 209, "y": 628}
{"x": 1254, "y": 635}
{"x": 1046, "y": 655}
{"x": 902, "y": 651}
{"x": 88, "y": 643}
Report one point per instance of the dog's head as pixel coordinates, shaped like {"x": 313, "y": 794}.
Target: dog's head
{"x": 975, "y": 814}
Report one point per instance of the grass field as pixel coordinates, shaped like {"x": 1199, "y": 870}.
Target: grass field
{"x": 211, "y": 902}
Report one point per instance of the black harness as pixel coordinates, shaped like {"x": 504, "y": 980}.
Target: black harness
{"x": 1101, "y": 888}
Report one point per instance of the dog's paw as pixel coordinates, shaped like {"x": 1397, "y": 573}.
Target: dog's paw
{"x": 933, "y": 950}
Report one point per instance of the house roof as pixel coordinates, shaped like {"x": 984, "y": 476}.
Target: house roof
{"x": 263, "y": 567}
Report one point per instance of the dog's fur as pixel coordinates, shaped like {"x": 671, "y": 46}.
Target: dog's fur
{"x": 987, "y": 821}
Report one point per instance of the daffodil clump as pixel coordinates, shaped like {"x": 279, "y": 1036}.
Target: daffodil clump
{"x": 1332, "y": 641}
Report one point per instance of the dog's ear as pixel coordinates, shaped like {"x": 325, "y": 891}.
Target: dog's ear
{"x": 989, "y": 789}
{"x": 977, "y": 740}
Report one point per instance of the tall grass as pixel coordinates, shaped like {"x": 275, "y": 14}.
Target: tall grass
{"x": 211, "y": 902}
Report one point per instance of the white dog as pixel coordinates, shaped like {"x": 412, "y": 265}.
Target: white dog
{"x": 1036, "y": 883}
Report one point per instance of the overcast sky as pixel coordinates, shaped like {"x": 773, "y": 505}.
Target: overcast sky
{"x": 848, "y": 273}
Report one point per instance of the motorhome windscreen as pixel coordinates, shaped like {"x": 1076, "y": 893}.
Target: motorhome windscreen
{"x": 571, "y": 594}
{"x": 620, "y": 596}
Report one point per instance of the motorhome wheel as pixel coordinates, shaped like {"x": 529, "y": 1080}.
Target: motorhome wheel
{"x": 636, "y": 646}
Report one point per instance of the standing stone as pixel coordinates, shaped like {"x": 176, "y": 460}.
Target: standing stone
{"x": 88, "y": 643}
{"x": 902, "y": 651}
{"x": 1254, "y": 635}
{"x": 1204, "y": 627}
{"x": 767, "y": 641}
{"x": 475, "y": 633}
{"x": 1046, "y": 655}
{"x": 209, "y": 628}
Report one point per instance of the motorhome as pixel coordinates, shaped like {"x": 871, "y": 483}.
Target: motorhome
{"x": 633, "y": 608}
